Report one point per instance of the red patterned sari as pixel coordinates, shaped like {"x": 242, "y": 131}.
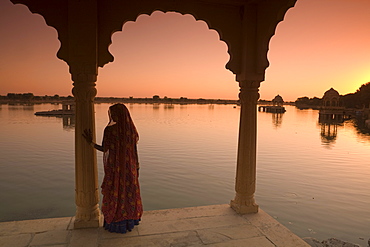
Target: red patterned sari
{"x": 122, "y": 206}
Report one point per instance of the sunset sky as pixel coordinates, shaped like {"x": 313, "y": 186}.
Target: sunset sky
{"x": 320, "y": 44}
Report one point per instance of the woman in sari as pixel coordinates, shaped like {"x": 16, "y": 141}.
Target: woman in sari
{"x": 122, "y": 207}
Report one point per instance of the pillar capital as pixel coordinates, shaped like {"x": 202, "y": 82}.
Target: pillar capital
{"x": 85, "y": 91}
{"x": 84, "y": 78}
{"x": 249, "y": 91}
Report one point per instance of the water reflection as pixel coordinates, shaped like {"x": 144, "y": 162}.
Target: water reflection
{"x": 362, "y": 131}
{"x": 328, "y": 133}
{"x": 205, "y": 142}
{"x": 361, "y": 127}
{"x": 329, "y": 128}
{"x": 23, "y": 107}
{"x": 68, "y": 123}
{"x": 155, "y": 106}
{"x": 168, "y": 106}
{"x": 28, "y": 107}
{"x": 277, "y": 119}
{"x": 183, "y": 106}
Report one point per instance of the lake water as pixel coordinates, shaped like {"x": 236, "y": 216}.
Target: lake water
{"x": 316, "y": 186}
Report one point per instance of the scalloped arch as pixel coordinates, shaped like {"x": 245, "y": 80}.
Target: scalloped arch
{"x": 110, "y": 23}
{"x": 111, "y": 57}
{"x": 48, "y": 9}
{"x": 274, "y": 18}
{"x": 246, "y": 26}
{"x": 248, "y": 53}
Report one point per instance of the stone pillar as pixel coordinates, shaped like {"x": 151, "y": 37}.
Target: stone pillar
{"x": 245, "y": 184}
{"x": 87, "y": 195}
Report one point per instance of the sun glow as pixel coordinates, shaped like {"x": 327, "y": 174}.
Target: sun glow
{"x": 173, "y": 55}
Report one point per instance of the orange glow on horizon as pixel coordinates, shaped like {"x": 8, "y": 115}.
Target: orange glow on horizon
{"x": 173, "y": 55}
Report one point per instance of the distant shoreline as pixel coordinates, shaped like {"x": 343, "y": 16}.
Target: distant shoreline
{"x": 153, "y": 100}
{"x": 99, "y": 100}
{"x": 63, "y": 100}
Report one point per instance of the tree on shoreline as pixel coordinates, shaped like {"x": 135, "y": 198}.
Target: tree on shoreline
{"x": 20, "y": 96}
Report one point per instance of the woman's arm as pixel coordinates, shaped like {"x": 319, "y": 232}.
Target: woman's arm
{"x": 97, "y": 147}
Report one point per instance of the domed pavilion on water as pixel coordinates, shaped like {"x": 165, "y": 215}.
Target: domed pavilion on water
{"x": 277, "y": 105}
{"x": 278, "y": 101}
{"x": 332, "y": 109}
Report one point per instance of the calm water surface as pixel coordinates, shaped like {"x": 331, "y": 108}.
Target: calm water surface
{"x": 315, "y": 186}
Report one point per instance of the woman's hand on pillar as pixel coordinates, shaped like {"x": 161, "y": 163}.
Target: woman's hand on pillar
{"x": 88, "y": 135}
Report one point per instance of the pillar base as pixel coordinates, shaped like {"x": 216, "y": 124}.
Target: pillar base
{"x": 93, "y": 223}
{"x": 244, "y": 209}
{"x": 88, "y": 217}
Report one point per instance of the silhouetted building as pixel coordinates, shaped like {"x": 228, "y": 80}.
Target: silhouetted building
{"x": 278, "y": 100}
{"x": 277, "y": 106}
{"x": 332, "y": 110}
{"x": 331, "y": 114}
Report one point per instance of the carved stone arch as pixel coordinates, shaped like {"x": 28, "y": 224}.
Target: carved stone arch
{"x": 114, "y": 14}
{"x": 55, "y": 14}
{"x": 246, "y": 26}
{"x": 259, "y": 24}
{"x": 271, "y": 13}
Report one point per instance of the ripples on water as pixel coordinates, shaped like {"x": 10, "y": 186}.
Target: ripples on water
{"x": 315, "y": 187}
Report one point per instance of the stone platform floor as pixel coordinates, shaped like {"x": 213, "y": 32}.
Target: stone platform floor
{"x": 216, "y": 225}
